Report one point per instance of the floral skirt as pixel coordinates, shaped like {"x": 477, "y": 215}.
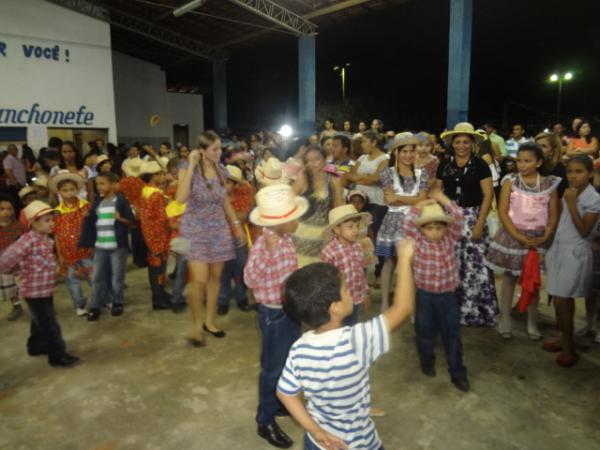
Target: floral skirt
{"x": 506, "y": 254}
{"x": 477, "y": 291}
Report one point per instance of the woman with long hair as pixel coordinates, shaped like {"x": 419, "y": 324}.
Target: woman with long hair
{"x": 553, "y": 165}
{"x": 206, "y": 226}
{"x": 71, "y": 160}
{"x": 467, "y": 180}
{"x": 323, "y": 192}
{"x": 583, "y": 142}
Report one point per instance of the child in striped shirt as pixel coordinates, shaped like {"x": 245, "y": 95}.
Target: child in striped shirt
{"x": 106, "y": 229}
{"x": 330, "y": 364}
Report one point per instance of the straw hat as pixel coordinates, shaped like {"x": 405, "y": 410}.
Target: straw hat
{"x": 276, "y": 205}
{"x": 402, "y": 139}
{"x": 234, "y": 173}
{"x": 101, "y": 159}
{"x": 270, "y": 172}
{"x": 40, "y": 180}
{"x": 164, "y": 162}
{"x": 26, "y": 191}
{"x": 36, "y": 209}
{"x": 132, "y": 167}
{"x": 342, "y": 214}
{"x": 462, "y": 128}
{"x": 433, "y": 213}
{"x": 65, "y": 175}
{"x": 175, "y": 209}
{"x": 151, "y": 167}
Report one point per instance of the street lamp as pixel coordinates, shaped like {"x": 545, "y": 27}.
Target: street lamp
{"x": 559, "y": 78}
{"x": 342, "y": 71}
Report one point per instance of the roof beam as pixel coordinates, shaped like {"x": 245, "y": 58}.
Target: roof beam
{"x": 143, "y": 27}
{"x": 334, "y": 8}
{"x": 279, "y": 15}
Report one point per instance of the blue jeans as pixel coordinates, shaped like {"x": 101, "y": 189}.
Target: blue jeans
{"x": 45, "y": 334}
{"x": 352, "y": 319}
{"x": 278, "y": 334}
{"x": 181, "y": 273}
{"x": 109, "y": 261}
{"x": 74, "y": 283}
{"x": 309, "y": 445}
{"x": 234, "y": 269}
{"x": 439, "y": 314}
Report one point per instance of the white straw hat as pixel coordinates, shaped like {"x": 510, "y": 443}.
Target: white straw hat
{"x": 151, "y": 167}
{"x": 132, "y": 167}
{"x": 340, "y": 215}
{"x": 433, "y": 213}
{"x": 270, "y": 172}
{"x": 276, "y": 205}
{"x": 234, "y": 173}
{"x": 26, "y": 191}
{"x": 65, "y": 175}
{"x": 36, "y": 209}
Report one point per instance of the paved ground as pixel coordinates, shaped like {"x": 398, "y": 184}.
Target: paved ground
{"x": 142, "y": 387}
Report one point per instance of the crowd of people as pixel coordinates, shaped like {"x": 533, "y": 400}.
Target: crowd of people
{"x": 315, "y": 227}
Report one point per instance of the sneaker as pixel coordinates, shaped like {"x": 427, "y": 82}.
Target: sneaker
{"x": 81, "y": 312}
{"x": 15, "y": 313}
{"x": 116, "y": 310}
{"x": 93, "y": 315}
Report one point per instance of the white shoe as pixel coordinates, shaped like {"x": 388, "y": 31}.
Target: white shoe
{"x": 585, "y": 331}
{"x": 81, "y": 312}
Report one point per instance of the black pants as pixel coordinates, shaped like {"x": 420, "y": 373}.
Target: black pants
{"x": 45, "y": 335}
{"x": 439, "y": 314}
{"x": 378, "y": 213}
{"x": 139, "y": 251}
{"x": 156, "y": 277}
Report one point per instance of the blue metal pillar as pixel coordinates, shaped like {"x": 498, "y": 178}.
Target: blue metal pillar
{"x": 459, "y": 61}
{"x": 307, "y": 85}
{"x": 220, "y": 94}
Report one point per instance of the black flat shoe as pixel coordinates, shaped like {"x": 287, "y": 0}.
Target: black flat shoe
{"x": 462, "y": 384}
{"x": 429, "y": 371}
{"x": 275, "y": 436}
{"x": 65, "y": 360}
{"x": 161, "y": 306}
{"x": 93, "y": 314}
{"x": 196, "y": 342}
{"x": 217, "y": 334}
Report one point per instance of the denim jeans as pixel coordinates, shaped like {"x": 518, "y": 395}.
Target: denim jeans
{"x": 181, "y": 274}
{"x": 114, "y": 261}
{"x": 74, "y": 283}
{"x": 309, "y": 444}
{"x": 234, "y": 269}
{"x": 352, "y": 319}
{"x": 45, "y": 334}
{"x": 439, "y": 314}
{"x": 278, "y": 334}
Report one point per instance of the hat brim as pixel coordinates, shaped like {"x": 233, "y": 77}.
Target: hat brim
{"x": 131, "y": 172}
{"x": 366, "y": 219}
{"x": 57, "y": 179}
{"x": 412, "y": 141}
{"x": 234, "y": 179}
{"x": 40, "y": 213}
{"x": 448, "y": 135}
{"x": 264, "y": 181}
{"x": 301, "y": 207}
{"x": 436, "y": 218}
{"x": 25, "y": 192}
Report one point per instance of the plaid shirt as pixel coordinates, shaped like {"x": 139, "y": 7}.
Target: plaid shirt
{"x": 35, "y": 256}
{"x": 349, "y": 261}
{"x": 10, "y": 233}
{"x": 265, "y": 271}
{"x": 436, "y": 264}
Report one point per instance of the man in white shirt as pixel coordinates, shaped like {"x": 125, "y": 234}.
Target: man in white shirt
{"x": 517, "y": 138}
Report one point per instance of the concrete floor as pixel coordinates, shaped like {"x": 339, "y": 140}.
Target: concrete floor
{"x": 140, "y": 386}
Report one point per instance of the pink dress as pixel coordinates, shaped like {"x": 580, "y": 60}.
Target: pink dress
{"x": 204, "y": 223}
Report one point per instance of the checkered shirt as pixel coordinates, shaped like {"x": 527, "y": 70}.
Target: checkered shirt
{"x": 349, "y": 261}
{"x": 436, "y": 264}
{"x": 35, "y": 256}
{"x": 266, "y": 272}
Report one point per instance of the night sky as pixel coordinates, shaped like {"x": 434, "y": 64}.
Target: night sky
{"x": 398, "y": 67}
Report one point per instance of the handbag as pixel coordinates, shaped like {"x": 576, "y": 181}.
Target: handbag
{"x": 493, "y": 221}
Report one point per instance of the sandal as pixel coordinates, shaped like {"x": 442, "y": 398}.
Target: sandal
{"x": 552, "y": 347}
{"x": 567, "y": 361}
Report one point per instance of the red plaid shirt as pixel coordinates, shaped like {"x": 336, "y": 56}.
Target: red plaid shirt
{"x": 35, "y": 255}
{"x": 349, "y": 261}
{"x": 265, "y": 271}
{"x": 436, "y": 264}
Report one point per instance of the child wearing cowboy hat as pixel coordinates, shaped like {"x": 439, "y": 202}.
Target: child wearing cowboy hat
{"x": 435, "y": 224}
{"x": 156, "y": 230}
{"x": 270, "y": 172}
{"x": 272, "y": 259}
{"x": 33, "y": 252}
{"x": 75, "y": 262}
{"x": 345, "y": 252}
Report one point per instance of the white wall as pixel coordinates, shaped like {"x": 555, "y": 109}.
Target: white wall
{"x": 72, "y": 76}
{"x": 140, "y": 93}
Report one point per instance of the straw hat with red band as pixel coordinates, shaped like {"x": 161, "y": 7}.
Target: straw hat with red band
{"x": 36, "y": 209}
{"x": 276, "y": 205}
{"x": 270, "y": 172}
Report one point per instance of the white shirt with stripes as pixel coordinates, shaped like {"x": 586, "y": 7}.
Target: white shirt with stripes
{"x": 332, "y": 370}
{"x": 106, "y": 238}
